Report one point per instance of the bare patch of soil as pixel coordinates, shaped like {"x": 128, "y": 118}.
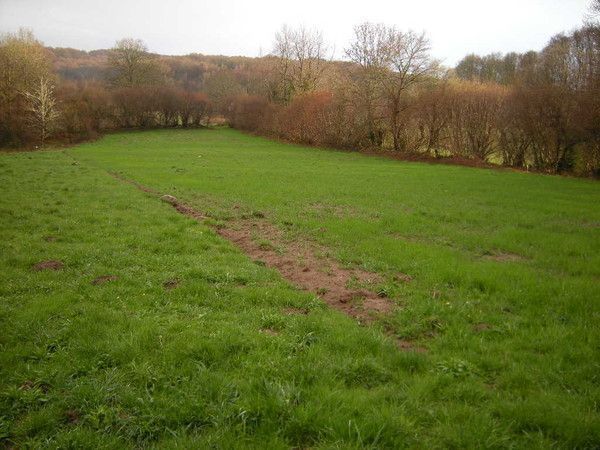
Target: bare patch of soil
{"x": 48, "y": 265}
{"x": 27, "y": 385}
{"x": 302, "y": 263}
{"x": 503, "y": 257}
{"x": 72, "y": 416}
{"x": 408, "y": 346}
{"x": 171, "y": 284}
{"x": 590, "y": 225}
{"x": 141, "y": 187}
{"x": 182, "y": 208}
{"x": 104, "y": 279}
{"x": 378, "y": 304}
{"x": 403, "y": 277}
{"x": 50, "y": 238}
{"x": 482, "y": 327}
{"x": 190, "y": 212}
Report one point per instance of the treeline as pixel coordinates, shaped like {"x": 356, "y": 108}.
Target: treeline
{"x": 537, "y": 111}
{"x": 133, "y": 91}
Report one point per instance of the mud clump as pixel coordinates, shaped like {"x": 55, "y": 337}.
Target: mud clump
{"x": 480, "y": 327}
{"x": 49, "y": 265}
{"x": 171, "y": 284}
{"x": 104, "y": 279}
{"x": 72, "y": 416}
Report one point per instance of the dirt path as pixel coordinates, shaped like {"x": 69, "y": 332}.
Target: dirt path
{"x": 303, "y": 263}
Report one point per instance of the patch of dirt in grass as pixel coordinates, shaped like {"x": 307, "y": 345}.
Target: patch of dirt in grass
{"x": 378, "y": 304}
{"x": 482, "y": 327}
{"x": 141, "y": 187}
{"x": 303, "y": 263}
{"x": 408, "y": 346}
{"x": 28, "y": 385}
{"x": 503, "y": 257}
{"x": 435, "y": 294}
{"x": 72, "y": 416}
{"x": 402, "y": 277}
{"x": 171, "y": 284}
{"x": 182, "y": 208}
{"x": 590, "y": 225}
{"x": 104, "y": 279}
{"x": 48, "y": 265}
{"x": 50, "y": 238}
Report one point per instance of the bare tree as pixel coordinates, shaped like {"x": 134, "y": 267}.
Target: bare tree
{"x": 369, "y": 51}
{"x": 300, "y": 61}
{"x": 433, "y": 109}
{"x": 283, "y": 68}
{"x": 514, "y": 141}
{"x": 409, "y": 63}
{"x": 220, "y": 86}
{"x": 42, "y": 109}
{"x": 132, "y": 64}
{"x": 594, "y": 11}
{"x": 308, "y": 50}
{"x": 23, "y": 61}
{"x": 391, "y": 62}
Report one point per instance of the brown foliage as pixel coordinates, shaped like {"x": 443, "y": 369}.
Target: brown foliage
{"x": 473, "y": 119}
{"x": 433, "y": 113}
{"x": 251, "y": 113}
{"x": 514, "y": 140}
{"x": 85, "y": 110}
{"x": 305, "y": 119}
{"x": 548, "y": 120}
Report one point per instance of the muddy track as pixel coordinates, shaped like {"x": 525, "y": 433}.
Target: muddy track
{"x": 304, "y": 264}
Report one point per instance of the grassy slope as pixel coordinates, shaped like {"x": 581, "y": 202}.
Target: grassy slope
{"x": 136, "y": 364}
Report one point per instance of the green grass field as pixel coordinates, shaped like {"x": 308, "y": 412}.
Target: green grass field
{"x": 504, "y": 297}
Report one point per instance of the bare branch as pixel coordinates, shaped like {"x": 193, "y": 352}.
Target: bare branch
{"x": 42, "y": 109}
{"x": 301, "y": 61}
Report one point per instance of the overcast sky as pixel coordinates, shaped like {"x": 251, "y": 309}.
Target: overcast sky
{"x": 237, "y": 27}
